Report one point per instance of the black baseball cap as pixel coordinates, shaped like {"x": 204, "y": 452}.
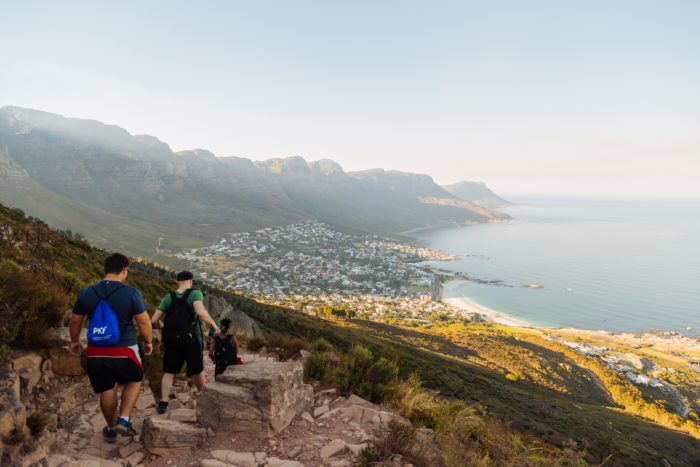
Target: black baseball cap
{"x": 184, "y": 276}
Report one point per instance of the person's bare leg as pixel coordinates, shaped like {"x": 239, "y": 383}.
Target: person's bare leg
{"x": 165, "y": 385}
{"x": 199, "y": 380}
{"x": 108, "y": 404}
{"x": 130, "y": 395}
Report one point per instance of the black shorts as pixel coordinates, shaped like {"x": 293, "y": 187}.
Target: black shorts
{"x": 174, "y": 357}
{"x": 105, "y": 372}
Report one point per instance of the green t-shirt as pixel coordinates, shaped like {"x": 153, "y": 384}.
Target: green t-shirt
{"x": 195, "y": 296}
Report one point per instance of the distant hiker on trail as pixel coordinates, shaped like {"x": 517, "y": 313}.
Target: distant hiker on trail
{"x": 224, "y": 348}
{"x": 112, "y": 352}
{"x": 182, "y": 334}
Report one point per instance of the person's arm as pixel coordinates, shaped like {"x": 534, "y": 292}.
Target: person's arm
{"x": 76, "y": 324}
{"x": 155, "y": 321}
{"x": 146, "y": 331}
{"x": 204, "y": 314}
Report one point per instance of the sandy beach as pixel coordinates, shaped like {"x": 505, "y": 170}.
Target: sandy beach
{"x": 450, "y": 297}
{"x": 673, "y": 343}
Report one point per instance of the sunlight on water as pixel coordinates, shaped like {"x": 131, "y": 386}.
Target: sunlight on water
{"x": 621, "y": 265}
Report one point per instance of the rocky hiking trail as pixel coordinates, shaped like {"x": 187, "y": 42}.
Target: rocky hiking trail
{"x": 256, "y": 414}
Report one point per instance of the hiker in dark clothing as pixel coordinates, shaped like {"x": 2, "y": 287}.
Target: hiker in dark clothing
{"x": 181, "y": 311}
{"x": 223, "y": 349}
{"x": 116, "y": 362}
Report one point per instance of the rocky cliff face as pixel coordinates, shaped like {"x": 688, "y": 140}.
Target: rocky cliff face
{"x": 219, "y": 309}
{"x": 9, "y": 169}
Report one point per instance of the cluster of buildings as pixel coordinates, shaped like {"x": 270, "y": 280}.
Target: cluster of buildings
{"x": 405, "y": 310}
{"x": 311, "y": 258}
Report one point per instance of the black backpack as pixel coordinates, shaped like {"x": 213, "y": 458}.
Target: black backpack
{"x": 180, "y": 324}
{"x": 224, "y": 350}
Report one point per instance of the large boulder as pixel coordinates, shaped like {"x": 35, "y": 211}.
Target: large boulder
{"x": 28, "y": 367}
{"x": 259, "y": 398}
{"x": 13, "y": 414}
{"x": 9, "y": 379}
{"x": 65, "y": 363}
{"x": 162, "y": 436}
{"x": 219, "y": 309}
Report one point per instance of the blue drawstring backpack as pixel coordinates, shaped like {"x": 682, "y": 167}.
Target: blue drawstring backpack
{"x": 104, "y": 325}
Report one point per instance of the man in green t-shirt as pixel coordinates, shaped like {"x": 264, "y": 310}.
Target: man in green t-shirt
{"x": 174, "y": 355}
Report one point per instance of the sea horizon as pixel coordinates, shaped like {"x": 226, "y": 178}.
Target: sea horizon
{"x": 614, "y": 264}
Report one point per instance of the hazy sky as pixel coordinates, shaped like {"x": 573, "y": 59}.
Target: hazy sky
{"x": 528, "y": 96}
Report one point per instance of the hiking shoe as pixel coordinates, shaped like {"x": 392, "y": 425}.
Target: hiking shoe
{"x": 162, "y": 407}
{"x": 125, "y": 428}
{"x": 109, "y": 435}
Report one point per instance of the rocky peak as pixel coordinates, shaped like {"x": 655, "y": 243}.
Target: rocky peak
{"x": 326, "y": 167}
{"x": 202, "y": 154}
{"x": 289, "y": 166}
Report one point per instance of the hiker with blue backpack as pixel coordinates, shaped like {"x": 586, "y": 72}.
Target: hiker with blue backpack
{"x": 182, "y": 312}
{"x": 112, "y": 353}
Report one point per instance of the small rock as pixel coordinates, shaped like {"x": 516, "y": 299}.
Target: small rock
{"x": 241, "y": 459}
{"x": 335, "y": 447}
{"x": 129, "y": 449}
{"x": 135, "y": 459}
{"x": 294, "y": 452}
{"x": 357, "y": 400}
{"x": 260, "y": 456}
{"x": 183, "y": 415}
{"x": 356, "y": 448}
{"x": 212, "y": 463}
{"x": 318, "y": 411}
{"x": 276, "y": 462}
{"x": 340, "y": 463}
{"x": 210, "y": 431}
{"x": 168, "y": 434}
{"x": 308, "y": 417}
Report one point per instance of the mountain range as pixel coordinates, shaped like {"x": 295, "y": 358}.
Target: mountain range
{"x": 134, "y": 193}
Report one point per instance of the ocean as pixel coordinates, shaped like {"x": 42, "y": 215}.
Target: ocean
{"x": 624, "y": 265}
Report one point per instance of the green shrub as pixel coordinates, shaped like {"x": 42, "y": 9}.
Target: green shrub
{"x": 362, "y": 376}
{"x": 396, "y": 439}
{"x": 321, "y": 345}
{"x": 36, "y": 423}
{"x": 317, "y": 366}
{"x": 287, "y": 347}
{"x": 256, "y": 343}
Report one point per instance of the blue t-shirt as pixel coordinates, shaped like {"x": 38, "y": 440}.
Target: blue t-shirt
{"x": 126, "y": 302}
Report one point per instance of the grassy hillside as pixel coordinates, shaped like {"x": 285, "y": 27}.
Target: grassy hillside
{"x": 515, "y": 378}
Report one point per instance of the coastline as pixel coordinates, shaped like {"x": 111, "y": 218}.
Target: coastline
{"x": 463, "y": 303}
{"x": 667, "y": 343}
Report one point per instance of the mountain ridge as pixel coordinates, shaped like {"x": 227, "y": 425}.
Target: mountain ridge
{"x": 189, "y": 197}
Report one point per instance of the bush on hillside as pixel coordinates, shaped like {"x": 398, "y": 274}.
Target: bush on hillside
{"x": 465, "y": 435}
{"x": 396, "y": 439}
{"x": 256, "y": 343}
{"x": 357, "y": 373}
{"x": 30, "y": 303}
{"x": 321, "y": 345}
{"x": 287, "y": 347}
{"x": 318, "y": 367}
